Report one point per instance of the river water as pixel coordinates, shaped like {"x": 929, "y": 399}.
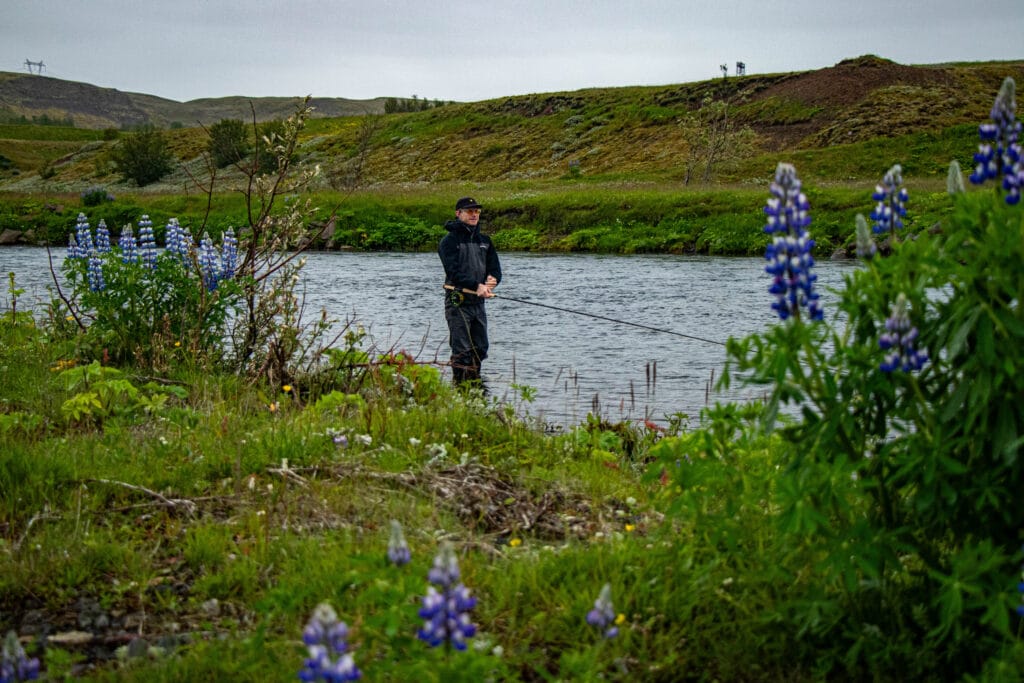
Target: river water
{"x": 574, "y": 363}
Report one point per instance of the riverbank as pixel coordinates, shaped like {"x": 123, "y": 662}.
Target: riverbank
{"x": 610, "y": 219}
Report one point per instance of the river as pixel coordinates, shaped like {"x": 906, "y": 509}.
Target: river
{"x": 573, "y": 363}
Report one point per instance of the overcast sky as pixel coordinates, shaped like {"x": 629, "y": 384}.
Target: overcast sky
{"x": 473, "y": 50}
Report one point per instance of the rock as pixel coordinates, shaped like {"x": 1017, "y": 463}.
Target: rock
{"x": 8, "y": 237}
{"x": 839, "y": 255}
{"x": 33, "y": 623}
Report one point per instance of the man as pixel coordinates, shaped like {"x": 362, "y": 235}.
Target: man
{"x": 471, "y": 271}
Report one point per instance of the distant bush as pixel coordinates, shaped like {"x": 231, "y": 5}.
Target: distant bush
{"x": 271, "y": 133}
{"x": 96, "y": 195}
{"x": 228, "y": 143}
{"x": 143, "y": 156}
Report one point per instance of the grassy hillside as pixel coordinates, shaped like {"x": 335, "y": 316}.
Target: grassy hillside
{"x": 601, "y": 169}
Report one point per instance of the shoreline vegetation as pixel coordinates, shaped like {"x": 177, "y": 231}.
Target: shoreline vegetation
{"x": 197, "y": 484}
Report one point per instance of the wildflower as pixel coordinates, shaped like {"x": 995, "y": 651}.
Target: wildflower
{"x": 364, "y": 439}
{"x": 1004, "y": 158}
{"x": 340, "y": 440}
{"x": 209, "y": 264}
{"x": 273, "y": 407}
{"x": 83, "y": 235}
{"x": 147, "y": 243}
{"x": 14, "y": 663}
{"x": 73, "y": 249}
{"x": 892, "y": 198}
{"x": 603, "y": 614}
{"x": 515, "y": 542}
{"x": 398, "y": 549}
{"x": 899, "y": 339}
{"x": 446, "y": 611}
{"x": 286, "y": 388}
{"x": 129, "y": 249}
{"x": 630, "y": 527}
{"x": 228, "y": 254}
{"x": 179, "y": 241}
{"x": 326, "y": 638}
{"x": 866, "y": 247}
{"x": 177, "y": 344}
{"x": 102, "y": 238}
{"x": 95, "y": 272}
{"x": 789, "y": 254}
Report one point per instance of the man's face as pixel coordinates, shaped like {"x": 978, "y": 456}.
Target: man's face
{"x": 468, "y": 216}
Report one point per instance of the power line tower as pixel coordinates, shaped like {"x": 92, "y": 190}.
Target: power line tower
{"x": 741, "y": 69}
{"x": 39, "y": 66}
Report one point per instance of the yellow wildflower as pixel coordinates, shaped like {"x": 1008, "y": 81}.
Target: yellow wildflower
{"x": 631, "y": 527}
{"x": 287, "y": 388}
{"x": 620, "y": 619}
{"x": 515, "y": 542}
{"x": 177, "y": 344}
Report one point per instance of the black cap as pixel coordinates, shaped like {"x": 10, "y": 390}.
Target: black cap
{"x": 467, "y": 203}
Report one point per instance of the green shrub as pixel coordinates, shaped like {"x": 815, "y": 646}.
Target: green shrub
{"x": 228, "y": 143}
{"x": 143, "y": 156}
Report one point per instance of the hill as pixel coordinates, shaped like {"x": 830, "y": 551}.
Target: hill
{"x": 844, "y": 123}
{"x": 90, "y": 106}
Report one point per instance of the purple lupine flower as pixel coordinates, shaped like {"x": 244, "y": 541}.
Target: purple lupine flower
{"x": 892, "y": 198}
{"x": 95, "y": 272}
{"x": 326, "y": 640}
{"x": 15, "y": 665}
{"x": 446, "y": 611}
{"x": 129, "y": 249}
{"x": 228, "y": 254}
{"x": 398, "y": 549}
{"x": 789, "y": 254}
{"x": 84, "y": 235}
{"x": 899, "y": 339}
{"x": 999, "y": 153}
{"x": 147, "y": 242}
{"x": 102, "y": 238}
{"x": 73, "y": 249}
{"x": 209, "y": 263}
{"x": 603, "y": 614}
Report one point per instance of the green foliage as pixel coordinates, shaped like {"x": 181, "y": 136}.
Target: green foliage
{"x": 229, "y": 142}
{"x": 143, "y": 156}
{"x": 154, "y": 317}
{"x": 903, "y": 488}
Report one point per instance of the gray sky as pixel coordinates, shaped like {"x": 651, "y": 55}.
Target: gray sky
{"x": 467, "y": 51}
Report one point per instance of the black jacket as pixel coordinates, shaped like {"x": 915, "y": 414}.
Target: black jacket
{"x": 468, "y": 257}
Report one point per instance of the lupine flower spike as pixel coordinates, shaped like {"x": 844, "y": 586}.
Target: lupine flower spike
{"x": 603, "y": 614}
{"x": 866, "y": 247}
{"x": 102, "y": 237}
{"x": 95, "y": 272}
{"x": 83, "y": 235}
{"x": 899, "y": 339}
{"x": 228, "y": 254}
{"x": 129, "y": 249}
{"x": 147, "y": 242}
{"x": 892, "y": 199}
{"x": 209, "y": 263}
{"x": 14, "y": 663}
{"x": 326, "y": 638}
{"x": 789, "y": 254}
{"x": 446, "y": 611}
{"x": 73, "y": 249}
{"x": 999, "y": 154}
{"x": 398, "y": 549}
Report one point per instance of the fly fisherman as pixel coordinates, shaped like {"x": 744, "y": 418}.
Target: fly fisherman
{"x": 470, "y": 263}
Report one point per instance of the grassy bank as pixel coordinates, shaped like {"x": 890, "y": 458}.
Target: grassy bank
{"x": 557, "y": 217}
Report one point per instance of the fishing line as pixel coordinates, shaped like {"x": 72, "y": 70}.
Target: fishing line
{"x": 593, "y": 315}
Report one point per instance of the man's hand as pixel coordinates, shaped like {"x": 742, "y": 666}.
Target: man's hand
{"x": 491, "y": 281}
{"x": 483, "y": 289}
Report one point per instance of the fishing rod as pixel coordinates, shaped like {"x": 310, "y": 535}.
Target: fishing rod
{"x": 589, "y": 315}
